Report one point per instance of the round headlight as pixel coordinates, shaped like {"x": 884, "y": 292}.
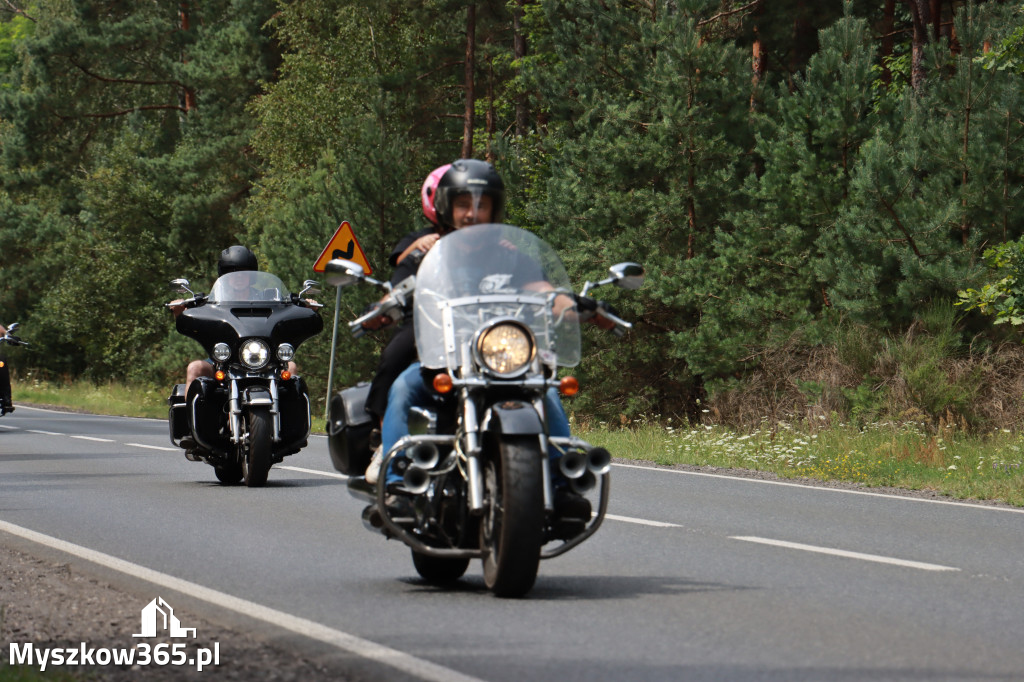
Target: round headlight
{"x": 254, "y": 354}
{"x": 221, "y": 352}
{"x": 505, "y": 348}
{"x": 285, "y": 352}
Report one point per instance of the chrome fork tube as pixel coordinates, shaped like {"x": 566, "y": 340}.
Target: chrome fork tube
{"x": 275, "y": 410}
{"x": 234, "y": 413}
{"x": 472, "y": 435}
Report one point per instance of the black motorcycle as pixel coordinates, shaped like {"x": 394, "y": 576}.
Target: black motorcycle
{"x": 477, "y": 463}
{"x": 8, "y": 339}
{"x": 253, "y": 412}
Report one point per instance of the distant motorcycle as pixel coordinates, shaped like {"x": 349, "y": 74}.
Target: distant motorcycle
{"x": 9, "y": 339}
{"x": 253, "y": 412}
{"x": 490, "y": 342}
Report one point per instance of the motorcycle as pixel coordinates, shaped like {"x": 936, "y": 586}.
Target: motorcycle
{"x": 253, "y": 412}
{"x": 482, "y": 469}
{"x": 6, "y": 403}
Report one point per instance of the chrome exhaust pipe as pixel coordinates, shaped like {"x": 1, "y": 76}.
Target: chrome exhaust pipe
{"x": 423, "y": 455}
{"x": 572, "y": 464}
{"x": 583, "y": 484}
{"x": 416, "y": 480}
{"x": 599, "y": 461}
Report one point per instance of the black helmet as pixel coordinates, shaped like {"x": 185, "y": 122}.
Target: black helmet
{"x": 236, "y": 258}
{"x": 468, "y": 176}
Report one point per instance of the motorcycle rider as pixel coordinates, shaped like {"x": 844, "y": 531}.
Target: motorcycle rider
{"x": 468, "y": 192}
{"x": 6, "y": 403}
{"x": 235, "y": 258}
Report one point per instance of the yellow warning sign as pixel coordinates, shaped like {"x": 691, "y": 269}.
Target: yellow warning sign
{"x": 343, "y": 245}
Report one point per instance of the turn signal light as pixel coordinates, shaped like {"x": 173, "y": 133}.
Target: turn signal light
{"x": 2, "y": 364}
{"x": 286, "y": 375}
{"x": 442, "y": 383}
{"x": 568, "y": 386}
{"x": 219, "y": 375}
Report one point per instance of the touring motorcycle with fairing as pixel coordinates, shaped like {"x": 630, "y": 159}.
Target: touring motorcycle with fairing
{"x": 8, "y": 339}
{"x": 482, "y": 468}
{"x": 253, "y": 412}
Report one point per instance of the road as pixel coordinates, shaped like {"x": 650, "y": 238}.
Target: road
{"x": 692, "y": 577}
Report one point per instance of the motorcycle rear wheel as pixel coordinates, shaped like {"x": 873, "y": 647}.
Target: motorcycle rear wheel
{"x": 512, "y": 529}
{"x": 256, "y": 463}
{"x": 439, "y": 570}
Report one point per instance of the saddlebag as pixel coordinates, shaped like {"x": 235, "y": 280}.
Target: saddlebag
{"x": 177, "y": 417}
{"x": 349, "y": 427}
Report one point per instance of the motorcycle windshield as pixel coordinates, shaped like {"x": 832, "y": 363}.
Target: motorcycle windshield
{"x": 477, "y": 274}
{"x": 249, "y": 285}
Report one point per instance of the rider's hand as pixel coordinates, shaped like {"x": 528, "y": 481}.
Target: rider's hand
{"x": 602, "y": 321}
{"x": 177, "y": 306}
{"x": 375, "y": 323}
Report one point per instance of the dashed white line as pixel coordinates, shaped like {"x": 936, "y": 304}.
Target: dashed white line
{"x": 45, "y": 433}
{"x": 642, "y": 522}
{"x": 342, "y": 640}
{"x": 151, "y": 447}
{"x": 847, "y": 554}
{"x": 95, "y": 440}
{"x": 313, "y": 471}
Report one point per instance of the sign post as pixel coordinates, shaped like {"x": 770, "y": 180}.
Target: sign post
{"x": 342, "y": 245}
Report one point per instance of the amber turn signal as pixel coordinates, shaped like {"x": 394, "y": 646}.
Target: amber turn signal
{"x": 219, "y": 375}
{"x": 568, "y": 386}
{"x": 286, "y": 375}
{"x": 442, "y": 383}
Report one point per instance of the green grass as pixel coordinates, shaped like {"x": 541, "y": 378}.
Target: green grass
{"x": 950, "y": 461}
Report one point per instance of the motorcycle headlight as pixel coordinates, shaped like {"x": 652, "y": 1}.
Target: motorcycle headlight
{"x": 221, "y": 352}
{"x": 505, "y": 348}
{"x": 254, "y": 354}
{"x": 285, "y": 352}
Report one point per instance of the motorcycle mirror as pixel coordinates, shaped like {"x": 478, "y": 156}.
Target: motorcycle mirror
{"x": 628, "y": 275}
{"x": 311, "y": 287}
{"x": 341, "y": 272}
{"x": 181, "y": 285}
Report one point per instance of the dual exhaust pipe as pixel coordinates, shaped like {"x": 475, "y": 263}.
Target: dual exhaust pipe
{"x": 581, "y": 468}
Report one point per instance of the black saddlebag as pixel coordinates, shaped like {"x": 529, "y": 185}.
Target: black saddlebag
{"x": 177, "y": 417}
{"x": 349, "y": 427}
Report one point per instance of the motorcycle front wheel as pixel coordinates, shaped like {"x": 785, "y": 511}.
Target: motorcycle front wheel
{"x": 439, "y": 570}
{"x": 511, "y": 532}
{"x": 257, "y": 460}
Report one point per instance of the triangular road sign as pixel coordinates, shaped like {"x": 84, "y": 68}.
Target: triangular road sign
{"x": 343, "y": 245}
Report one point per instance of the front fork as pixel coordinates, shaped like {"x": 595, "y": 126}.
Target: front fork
{"x": 235, "y": 417}
{"x": 471, "y": 444}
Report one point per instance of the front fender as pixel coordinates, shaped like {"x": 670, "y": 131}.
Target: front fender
{"x": 512, "y": 417}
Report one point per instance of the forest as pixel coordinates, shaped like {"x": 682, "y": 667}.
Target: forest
{"x": 826, "y": 196}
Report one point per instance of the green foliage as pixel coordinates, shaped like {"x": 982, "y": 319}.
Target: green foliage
{"x": 1004, "y": 297}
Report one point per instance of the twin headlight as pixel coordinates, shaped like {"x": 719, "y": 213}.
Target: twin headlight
{"x": 253, "y": 353}
{"x": 505, "y": 348}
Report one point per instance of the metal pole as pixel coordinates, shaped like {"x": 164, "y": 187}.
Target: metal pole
{"x": 334, "y": 344}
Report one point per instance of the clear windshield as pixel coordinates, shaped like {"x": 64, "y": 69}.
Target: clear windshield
{"x": 478, "y": 273}
{"x": 248, "y": 285}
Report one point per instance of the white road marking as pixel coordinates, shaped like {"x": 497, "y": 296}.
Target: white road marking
{"x": 844, "y": 553}
{"x": 814, "y": 487}
{"x": 95, "y": 440}
{"x": 45, "y": 433}
{"x": 411, "y": 665}
{"x": 642, "y": 522}
{"x": 8, "y": 428}
{"x": 313, "y": 471}
{"x": 151, "y": 447}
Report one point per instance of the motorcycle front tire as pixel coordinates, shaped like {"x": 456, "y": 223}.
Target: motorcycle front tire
{"x": 257, "y": 460}
{"x": 511, "y": 532}
{"x": 439, "y": 570}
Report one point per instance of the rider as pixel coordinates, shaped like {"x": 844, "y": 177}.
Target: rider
{"x": 6, "y": 404}
{"x": 466, "y": 193}
{"x": 235, "y": 258}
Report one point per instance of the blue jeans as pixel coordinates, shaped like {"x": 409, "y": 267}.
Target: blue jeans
{"x": 410, "y": 391}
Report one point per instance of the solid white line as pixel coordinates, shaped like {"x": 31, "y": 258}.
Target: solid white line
{"x": 95, "y": 440}
{"x": 313, "y": 471}
{"x": 821, "y": 488}
{"x": 361, "y": 647}
{"x": 642, "y": 522}
{"x": 151, "y": 447}
{"x": 844, "y": 553}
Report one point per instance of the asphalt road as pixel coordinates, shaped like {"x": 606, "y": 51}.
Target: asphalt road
{"x": 692, "y": 577}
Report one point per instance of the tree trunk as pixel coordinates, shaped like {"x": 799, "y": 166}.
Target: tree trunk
{"x": 518, "y": 53}
{"x": 189, "y": 95}
{"x": 920, "y": 13}
{"x": 467, "y": 125}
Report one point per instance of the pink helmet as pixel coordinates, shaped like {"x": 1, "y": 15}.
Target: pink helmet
{"x": 429, "y": 190}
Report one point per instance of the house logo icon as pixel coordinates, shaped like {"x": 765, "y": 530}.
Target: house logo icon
{"x": 158, "y": 617}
